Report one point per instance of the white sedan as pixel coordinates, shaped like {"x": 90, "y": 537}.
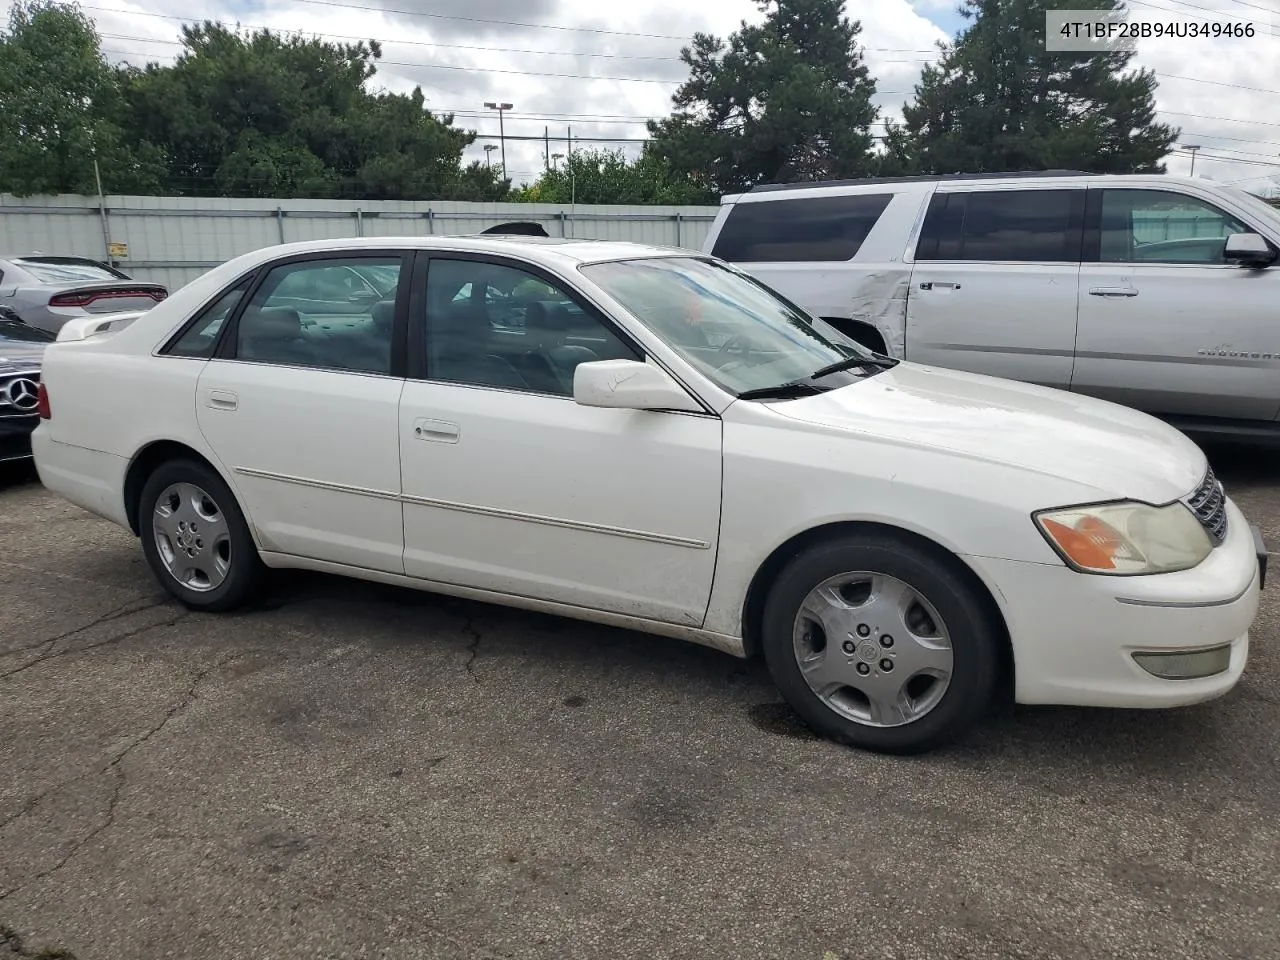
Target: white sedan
{"x": 652, "y": 439}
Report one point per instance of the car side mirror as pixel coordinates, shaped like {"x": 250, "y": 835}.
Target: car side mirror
{"x": 1248, "y": 250}
{"x": 629, "y": 385}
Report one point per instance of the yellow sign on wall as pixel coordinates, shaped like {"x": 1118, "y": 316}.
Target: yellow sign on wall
{"x": 118, "y": 250}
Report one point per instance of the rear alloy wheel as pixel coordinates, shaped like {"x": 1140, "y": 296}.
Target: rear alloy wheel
{"x": 195, "y": 538}
{"x": 881, "y": 643}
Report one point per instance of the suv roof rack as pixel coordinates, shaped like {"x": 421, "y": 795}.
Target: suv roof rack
{"x": 1011, "y": 175}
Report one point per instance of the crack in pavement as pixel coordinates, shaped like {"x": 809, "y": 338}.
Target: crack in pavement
{"x": 115, "y": 768}
{"x": 115, "y": 613}
{"x": 473, "y": 649}
{"x": 127, "y": 635}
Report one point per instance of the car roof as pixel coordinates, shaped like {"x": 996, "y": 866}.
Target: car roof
{"x": 559, "y": 251}
{"x": 764, "y": 193}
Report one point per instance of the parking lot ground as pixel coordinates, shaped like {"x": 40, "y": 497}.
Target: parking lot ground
{"x": 348, "y": 770}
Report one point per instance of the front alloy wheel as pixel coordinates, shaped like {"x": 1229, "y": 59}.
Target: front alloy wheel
{"x": 883, "y": 641}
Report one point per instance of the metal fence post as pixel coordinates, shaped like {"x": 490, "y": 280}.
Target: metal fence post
{"x": 563, "y": 216}
{"x": 359, "y": 222}
{"x": 678, "y": 219}
{"x": 431, "y": 222}
{"x": 280, "y": 222}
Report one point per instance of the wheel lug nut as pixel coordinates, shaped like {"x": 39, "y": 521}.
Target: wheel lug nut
{"x": 863, "y": 669}
{"x": 864, "y": 630}
{"x": 849, "y": 647}
{"x": 886, "y": 665}
{"x": 886, "y": 641}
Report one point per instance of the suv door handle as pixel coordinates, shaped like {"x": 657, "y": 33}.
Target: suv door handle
{"x": 939, "y": 284}
{"x": 1112, "y": 292}
{"x": 221, "y": 400}
{"x": 438, "y": 430}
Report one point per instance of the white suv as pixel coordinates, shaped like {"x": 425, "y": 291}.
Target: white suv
{"x": 1151, "y": 291}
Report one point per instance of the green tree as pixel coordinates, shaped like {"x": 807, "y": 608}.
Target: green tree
{"x": 998, "y": 101}
{"x": 61, "y": 106}
{"x": 787, "y": 100}
{"x": 263, "y": 114}
{"x": 607, "y": 176}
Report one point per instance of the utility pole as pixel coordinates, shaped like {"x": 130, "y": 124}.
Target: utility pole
{"x": 102, "y": 208}
{"x": 502, "y": 108}
{"x": 546, "y": 145}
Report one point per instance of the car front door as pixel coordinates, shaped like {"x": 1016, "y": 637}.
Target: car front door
{"x": 993, "y": 289}
{"x": 1166, "y": 324}
{"x": 512, "y": 487}
{"x": 301, "y": 409}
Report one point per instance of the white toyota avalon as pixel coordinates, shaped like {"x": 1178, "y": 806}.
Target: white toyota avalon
{"x": 650, "y": 438}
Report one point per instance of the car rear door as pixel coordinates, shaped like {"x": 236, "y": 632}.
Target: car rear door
{"x": 1166, "y": 324}
{"x": 994, "y": 285}
{"x": 301, "y": 410}
{"x": 510, "y": 486}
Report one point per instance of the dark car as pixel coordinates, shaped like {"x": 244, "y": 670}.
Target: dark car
{"x": 21, "y": 350}
{"x": 45, "y": 292}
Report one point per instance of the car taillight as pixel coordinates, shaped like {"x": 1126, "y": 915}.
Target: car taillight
{"x": 71, "y": 300}
{"x": 42, "y": 403}
{"x": 84, "y": 298}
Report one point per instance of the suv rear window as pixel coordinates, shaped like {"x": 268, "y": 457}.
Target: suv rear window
{"x": 1019, "y": 226}
{"x": 812, "y": 229}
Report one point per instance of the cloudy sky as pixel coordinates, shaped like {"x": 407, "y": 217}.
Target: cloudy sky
{"x": 563, "y": 63}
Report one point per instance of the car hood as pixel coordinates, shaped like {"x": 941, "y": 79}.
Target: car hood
{"x": 15, "y": 356}
{"x": 1119, "y": 452}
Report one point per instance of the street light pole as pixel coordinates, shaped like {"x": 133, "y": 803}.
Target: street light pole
{"x": 488, "y": 149}
{"x": 1192, "y": 148}
{"x": 502, "y": 108}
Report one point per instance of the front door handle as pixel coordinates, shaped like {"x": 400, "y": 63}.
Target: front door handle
{"x": 1112, "y": 292}
{"x": 221, "y": 400}
{"x": 440, "y": 431}
{"x": 939, "y": 285}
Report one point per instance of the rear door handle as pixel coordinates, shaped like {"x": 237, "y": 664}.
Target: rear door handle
{"x": 221, "y": 400}
{"x": 1112, "y": 292}
{"x": 939, "y": 285}
{"x": 440, "y": 431}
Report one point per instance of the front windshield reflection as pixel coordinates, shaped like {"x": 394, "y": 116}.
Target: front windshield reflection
{"x": 736, "y": 331}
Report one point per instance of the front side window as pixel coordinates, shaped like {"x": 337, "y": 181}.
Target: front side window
{"x": 321, "y": 313}
{"x": 1007, "y": 226}
{"x": 814, "y": 229}
{"x": 1159, "y": 226}
{"x": 493, "y": 325}
{"x": 739, "y": 333}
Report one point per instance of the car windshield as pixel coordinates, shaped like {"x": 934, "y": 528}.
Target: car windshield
{"x": 1255, "y": 205}
{"x": 738, "y": 332}
{"x": 58, "y": 271}
{"x": 13, "y": 331}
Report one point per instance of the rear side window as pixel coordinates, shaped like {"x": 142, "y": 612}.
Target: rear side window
{"x": 821, "y": 229}
{"x": 68, "y": 270}
{"x": 1018, "y": 226}
{"x": 201, "y": 336}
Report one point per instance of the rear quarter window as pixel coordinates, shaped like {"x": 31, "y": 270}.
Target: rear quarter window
{"x": 809, "y": 229}
{"x": 1008, "y": 226}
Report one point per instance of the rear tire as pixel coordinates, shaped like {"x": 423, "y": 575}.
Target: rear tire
{"x": 196, "y": 539}
{"x": 914, "y": 646}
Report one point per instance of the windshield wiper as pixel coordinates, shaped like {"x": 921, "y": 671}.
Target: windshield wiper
{"x": 848, "y": 363}
{"x": 783, "y": 391}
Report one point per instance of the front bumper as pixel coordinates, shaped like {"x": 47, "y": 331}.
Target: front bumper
{"x": 15, "y": 436}
{"x": 1075, "y": 635}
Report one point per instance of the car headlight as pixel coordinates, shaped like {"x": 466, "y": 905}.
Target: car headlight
{"x": 1126, "y": 538}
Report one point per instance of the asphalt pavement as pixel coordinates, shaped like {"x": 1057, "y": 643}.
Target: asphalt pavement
{"x": 349, "y": 770}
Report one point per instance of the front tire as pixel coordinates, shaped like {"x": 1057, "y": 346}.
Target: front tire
{"x": 882, "y": 643}
{"x": 196, "y": 539}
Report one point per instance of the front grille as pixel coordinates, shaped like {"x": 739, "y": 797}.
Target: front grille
{"x": 1209, "y": 504}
